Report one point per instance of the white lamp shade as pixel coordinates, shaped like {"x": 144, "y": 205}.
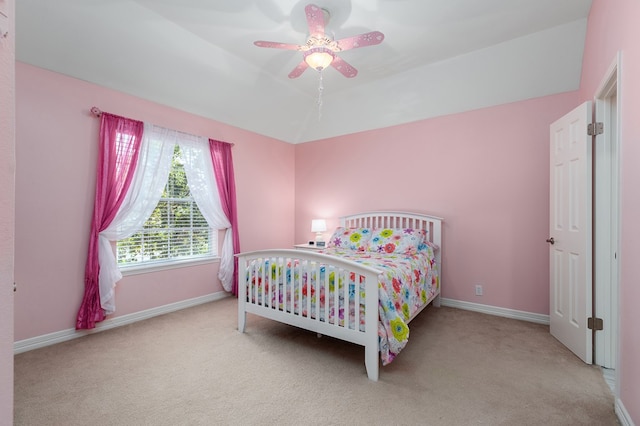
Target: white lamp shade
{"x": 318, "y": 225}
{"x": 319, "y": 59}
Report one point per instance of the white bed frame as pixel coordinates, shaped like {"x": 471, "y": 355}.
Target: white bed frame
{"x": 369, "y": 337}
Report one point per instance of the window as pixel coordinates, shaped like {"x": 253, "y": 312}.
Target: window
{"x": 176, "y": 230}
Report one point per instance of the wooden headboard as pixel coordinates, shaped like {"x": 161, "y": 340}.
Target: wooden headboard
{"x": 388, "y": 219}
{"x": 383, "y": 219}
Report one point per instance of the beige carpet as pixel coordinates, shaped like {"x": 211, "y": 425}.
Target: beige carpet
{"x": 193, "y": 367}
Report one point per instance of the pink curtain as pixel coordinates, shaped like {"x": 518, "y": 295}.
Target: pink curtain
{"x": 120, "y": 140}
{"x": 223, "y": 168}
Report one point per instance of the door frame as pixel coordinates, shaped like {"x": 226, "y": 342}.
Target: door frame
{"x": 606, "y": 255}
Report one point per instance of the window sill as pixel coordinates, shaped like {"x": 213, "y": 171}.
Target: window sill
{"x": 156, "y": 267}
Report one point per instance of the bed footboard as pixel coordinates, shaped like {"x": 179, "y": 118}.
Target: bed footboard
{"x": 313, "y": 291}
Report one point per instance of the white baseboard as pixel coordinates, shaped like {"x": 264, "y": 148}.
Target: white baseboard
{"x": 623, "y": 414}
{"x": 494, "y": 310}
{"x": 69, "y": 334}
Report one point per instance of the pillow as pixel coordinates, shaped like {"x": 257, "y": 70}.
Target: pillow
{"x": 355, "y": 239}
{"x": 398, "y": 240}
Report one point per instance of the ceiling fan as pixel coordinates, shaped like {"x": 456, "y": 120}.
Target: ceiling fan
{"x": 320, "y": 51}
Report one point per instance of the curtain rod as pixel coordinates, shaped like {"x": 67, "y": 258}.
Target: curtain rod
{"x": 97, "y": 112}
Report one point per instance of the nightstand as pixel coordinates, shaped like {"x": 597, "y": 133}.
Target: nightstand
{"x": 307, "y": 246}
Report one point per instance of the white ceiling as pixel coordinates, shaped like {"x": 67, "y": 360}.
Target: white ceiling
{"x": 438, "y": 57}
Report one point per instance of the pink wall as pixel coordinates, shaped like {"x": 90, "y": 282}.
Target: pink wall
{"x": 613, "y": 27}
{"x": 486, "y": 172}
{"x": 7, "y": 214}
{"x": 56, "y": 155}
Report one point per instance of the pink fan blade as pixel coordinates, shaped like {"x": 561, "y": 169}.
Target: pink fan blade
{"x": 315, "y": 20}
{"x": 298, "y": 70}
{"x": 362, "y": 40}
{"x": 277, "y": 45}
{"x": 344, "y": 67}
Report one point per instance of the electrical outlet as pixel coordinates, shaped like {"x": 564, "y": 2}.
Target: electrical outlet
{"x": 479, "y": 290}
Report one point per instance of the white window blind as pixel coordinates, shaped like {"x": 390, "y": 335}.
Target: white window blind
{"x": 175, "y": 231}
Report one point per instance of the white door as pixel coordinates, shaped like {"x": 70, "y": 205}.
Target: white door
{"x": 570, "y": 231}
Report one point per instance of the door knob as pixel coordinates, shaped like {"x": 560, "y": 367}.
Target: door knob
{"x": 551, "y": 241}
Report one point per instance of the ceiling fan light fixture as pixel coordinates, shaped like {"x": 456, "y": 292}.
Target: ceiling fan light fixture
{"x": 319, "y": 58}
{"x": 320, "y": 50}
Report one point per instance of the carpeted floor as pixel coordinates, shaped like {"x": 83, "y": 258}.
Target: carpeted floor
{"x": 193, "y": 367}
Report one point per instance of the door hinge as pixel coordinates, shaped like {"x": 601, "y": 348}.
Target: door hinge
{"x": 594, "y": 129}
{"x": 595, "y": 324}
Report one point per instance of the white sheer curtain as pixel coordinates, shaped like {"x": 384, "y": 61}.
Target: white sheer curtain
{"x": 150, "y": 178}
{"x": 202, "y": 184}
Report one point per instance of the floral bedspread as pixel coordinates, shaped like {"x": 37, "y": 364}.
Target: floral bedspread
{"x": 406, "y": 283}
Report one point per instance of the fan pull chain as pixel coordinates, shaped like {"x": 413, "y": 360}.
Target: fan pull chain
{"x": 320, "y": 88}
